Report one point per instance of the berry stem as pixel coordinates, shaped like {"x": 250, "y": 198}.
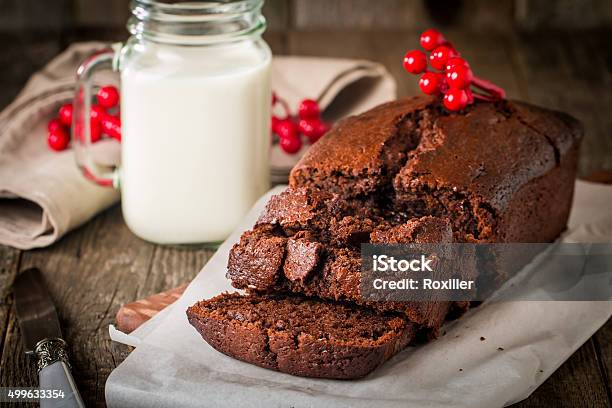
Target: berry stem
{"x": 493, "y": 90}
{"x": 470, "y": 96}
{"x": 483, "y": 97}
{"x": 284, "y": 104}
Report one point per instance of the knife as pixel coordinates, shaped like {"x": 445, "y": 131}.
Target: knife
{"x": 42, "y": 338}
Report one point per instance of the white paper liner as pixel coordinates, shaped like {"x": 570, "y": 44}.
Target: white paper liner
{"x": 172, "y": 366}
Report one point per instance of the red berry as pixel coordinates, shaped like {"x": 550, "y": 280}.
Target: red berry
{"x": 96, "y": 131}
{"x": 309, "y": 109}
{"x": 321, "y": 129}
{"x": 459, "y": 77}
{"x": 58, "y": 139}
{"x": 54, "y": 124}
{"x": 440, "y": 55}
{"x": 108, "y": 96}
{"x": 306, "y": 126}
{"x": 415, "y": 62}
{"x": 431, "y": 38}
{"x": 456, "y": 61}
{"x": 97, "y": 113}
{"x": 313, "y": 129}
{"x": 65, "y": 114}
{"x": 78, "y": 131}
{"x": 286, "y": 129}
{"x": 290, "y": 145}
{"x": 455, "y": 99}
{"x": 274, "y": 123}
{"x": 430, "y": 83}
{"x": 111, "y": 126}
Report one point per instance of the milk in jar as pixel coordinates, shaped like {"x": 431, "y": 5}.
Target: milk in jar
{"x": 195, "y": 118}
{"x": 195, "y": 125}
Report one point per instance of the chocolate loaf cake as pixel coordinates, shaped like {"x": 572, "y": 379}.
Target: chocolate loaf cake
{"x": 405, "y": 172}
{"x": 300, "y": 336}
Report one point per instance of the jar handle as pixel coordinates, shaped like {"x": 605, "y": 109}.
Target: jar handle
{"x": 107, "y": 58}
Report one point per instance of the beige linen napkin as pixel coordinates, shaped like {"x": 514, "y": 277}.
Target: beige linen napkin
{"x": 42, "y": 193}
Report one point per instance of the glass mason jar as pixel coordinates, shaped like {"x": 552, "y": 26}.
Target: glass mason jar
{"x": 195, "y": 111}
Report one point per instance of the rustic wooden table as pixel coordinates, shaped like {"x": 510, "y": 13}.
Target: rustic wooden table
{"x": 95, "y": 269}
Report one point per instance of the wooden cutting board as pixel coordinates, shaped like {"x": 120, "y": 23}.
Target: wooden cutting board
{"x": 131, "y": 315}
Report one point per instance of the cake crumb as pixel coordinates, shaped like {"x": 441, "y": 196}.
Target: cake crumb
{"x": 482, "y": 338}
{"x": 500, "y": 348}
{"x": 461, "y": 369}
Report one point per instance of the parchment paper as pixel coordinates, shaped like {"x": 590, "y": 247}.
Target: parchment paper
{"x": 172, "y": 366}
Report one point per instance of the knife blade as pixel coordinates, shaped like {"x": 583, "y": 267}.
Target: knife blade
{"x": 35, "y": 310}
{"x": 42, "y": 338}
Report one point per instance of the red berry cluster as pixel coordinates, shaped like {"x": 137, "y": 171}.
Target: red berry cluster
{"x": 104, "y": 120}
{"x": 289, "y": 128}
{"x": 451, "y": 74}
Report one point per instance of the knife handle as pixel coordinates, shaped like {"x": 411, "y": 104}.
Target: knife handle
{"x": 54, "y": 374}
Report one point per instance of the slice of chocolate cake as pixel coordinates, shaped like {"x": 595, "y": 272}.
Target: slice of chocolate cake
{"x": 321, "y": 213}
{"x": 312, "y": 265}
{"x": 299, "y": 336}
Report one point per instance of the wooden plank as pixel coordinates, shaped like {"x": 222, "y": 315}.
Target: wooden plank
{"x": 115, "y": 14}
{"x": 14, "y": 372}
{"x": 592, "y": 58}
{"x": 577, "y": 383}
{"x": 469, "y": 15}
{"x": 17, "y": 369}
{"x": 564, "y": 15}
{"x": 587, "y": 58}
{"x": 171, "y": 267}
{"x": 277, "y": 13}
{"x": 549, "y": 76}
{"x": 21, "y": 56}
{"x": 386, "y": 47}
{"x": 107, "y": 14}
{"x": 33, "y": 15}
{"x": 554, "y": 75}
{"x": 90, "y": 274}
{"x": 276, "y": 41}
{"x": 360, "y": 14}
{"x": 9, "y": 262}
{"x": 603, "y": 349}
